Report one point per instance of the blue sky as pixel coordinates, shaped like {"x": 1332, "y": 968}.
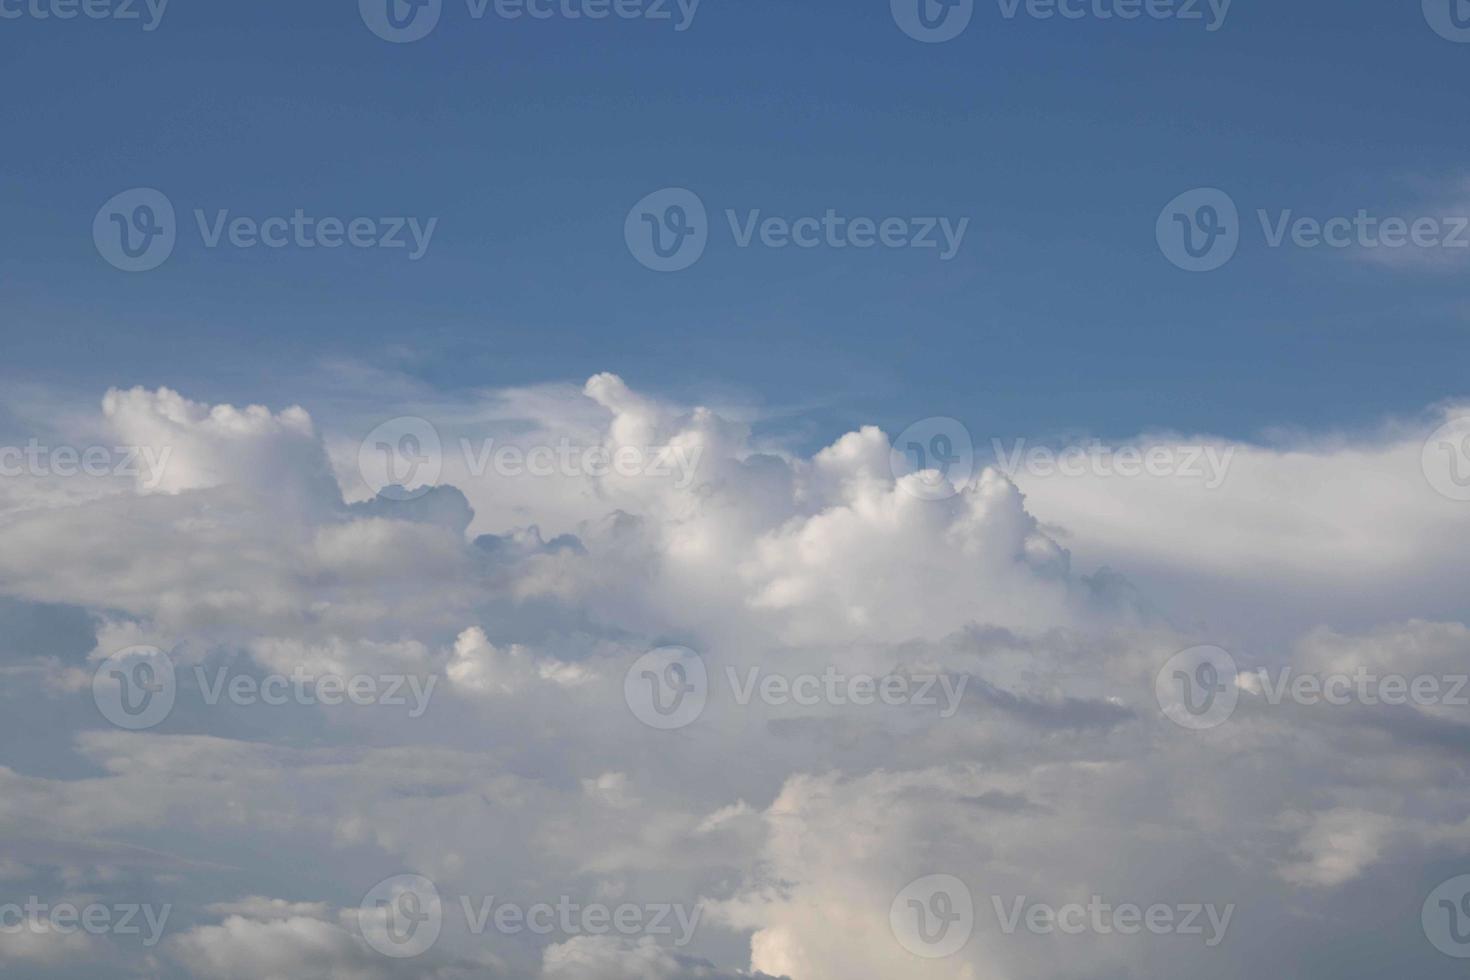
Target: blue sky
{"x": 530, "y": 141}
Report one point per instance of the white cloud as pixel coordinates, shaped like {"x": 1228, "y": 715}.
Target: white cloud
{"x": 793, "y": 826}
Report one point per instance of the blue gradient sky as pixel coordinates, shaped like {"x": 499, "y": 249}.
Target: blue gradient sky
{"x": 530, "y": 140}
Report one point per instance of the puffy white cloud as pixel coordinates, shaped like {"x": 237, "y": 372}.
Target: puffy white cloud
{"x": 1047, "y": 606}
{"x": 479, "y": 666}
{"x": 195, "y": 446}
{"x": 886, "y": 564}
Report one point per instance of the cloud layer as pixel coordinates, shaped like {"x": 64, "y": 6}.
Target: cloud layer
{"x": 879, "y": 683}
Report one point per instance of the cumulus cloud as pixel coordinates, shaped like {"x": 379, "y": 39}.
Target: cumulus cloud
{"x": 479, "y": 666}
{"x": 1037, "y": 611}
{"x": 194, "y": 446}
